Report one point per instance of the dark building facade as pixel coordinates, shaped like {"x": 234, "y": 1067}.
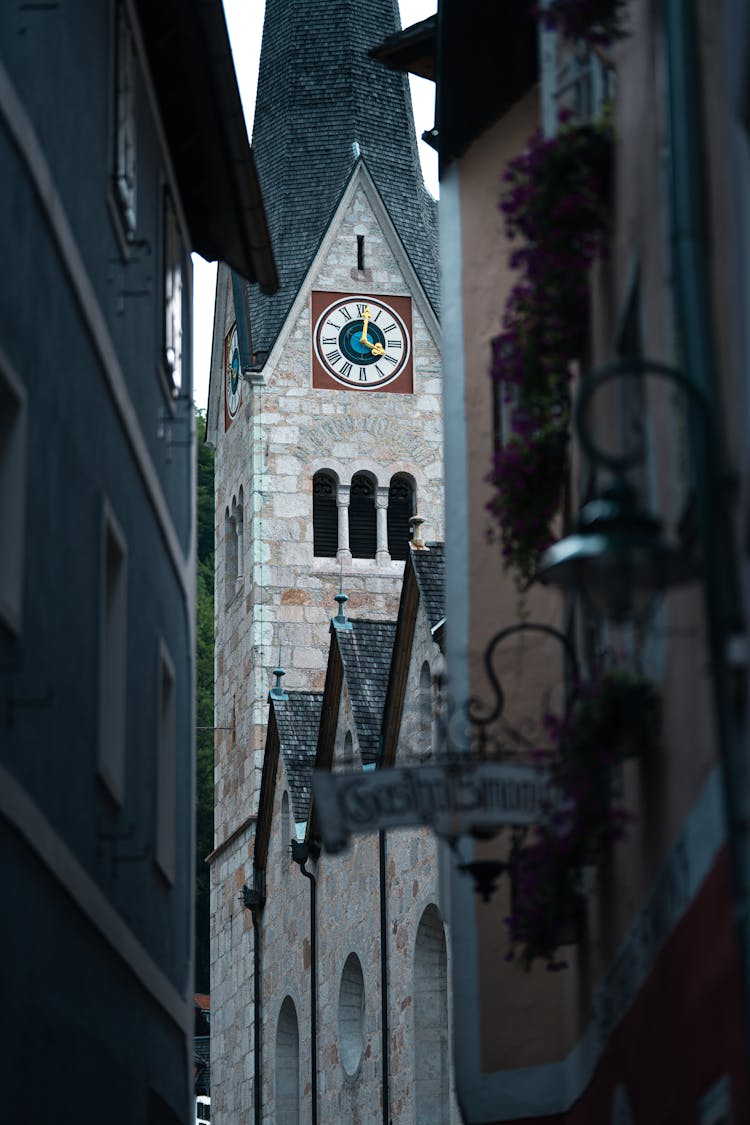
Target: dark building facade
{"x": 111, "y": 119}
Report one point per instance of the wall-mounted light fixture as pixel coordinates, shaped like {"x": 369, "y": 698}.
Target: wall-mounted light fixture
{"x": 619, "y": 556}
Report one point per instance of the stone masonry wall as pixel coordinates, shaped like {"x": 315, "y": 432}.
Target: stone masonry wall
{"x": 284, "y": 432}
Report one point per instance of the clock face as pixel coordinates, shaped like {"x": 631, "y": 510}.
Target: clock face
{"x": 361, "y": 342}
{"x": 232, "y": 373}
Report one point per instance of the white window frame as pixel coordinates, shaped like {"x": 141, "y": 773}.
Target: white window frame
{"x": 113, "y": 656}
{"x": 172, "y": 295}
{"x": 124, "y": 170}
{"x": 166, "y": 765}
{"x": 13, "y": 438}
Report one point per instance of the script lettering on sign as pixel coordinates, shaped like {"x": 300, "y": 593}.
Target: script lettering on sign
{"x": 451, "y": 799}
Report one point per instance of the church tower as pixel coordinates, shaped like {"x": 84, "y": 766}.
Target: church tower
{"x": 324, "y": 409}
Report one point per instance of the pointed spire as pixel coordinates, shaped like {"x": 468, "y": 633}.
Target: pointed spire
{"x": 319, "y": 96}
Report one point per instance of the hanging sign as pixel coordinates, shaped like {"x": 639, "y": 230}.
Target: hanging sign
{"x": 452, "y": 799}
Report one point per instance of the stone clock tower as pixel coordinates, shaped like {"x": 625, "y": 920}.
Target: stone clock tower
{"x": 325, "y": 401}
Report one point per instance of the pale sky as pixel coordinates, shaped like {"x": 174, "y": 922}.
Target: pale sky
{"x": 245, "y": 23}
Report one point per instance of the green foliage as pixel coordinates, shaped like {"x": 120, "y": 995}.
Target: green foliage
{"x": 204, "y": 812}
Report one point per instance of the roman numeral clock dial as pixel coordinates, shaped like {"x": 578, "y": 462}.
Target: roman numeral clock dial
{"x": 362, "y": 343}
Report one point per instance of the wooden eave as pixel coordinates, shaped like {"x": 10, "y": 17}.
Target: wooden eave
{"x": 402, "y": 646}
{"x": 267, "y": 791}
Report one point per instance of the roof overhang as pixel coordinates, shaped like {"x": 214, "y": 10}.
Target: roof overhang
{"x": 411, "y": 50}
{"x": 193, "y": 75}
{"x": 483, "y": 58}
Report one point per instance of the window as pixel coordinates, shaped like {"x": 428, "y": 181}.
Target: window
{"x": 231, "y": 552}
{"x": 431, "y": 1022}
{"x": 362, "y": 518}
{"x": 401, "y": 507}
{"x": 12, "y": 495}
{"x": 286, "y": 829}
{"x": 113, "y": 658}
{"x": 325, "y": 515}
{"x": 287, "y": 1065}
{"x": 166, "y": 779}
{"x": 172, "y": 357}
{"x": 425, "y": 711}
{"x": 124, "y": 169}
{"x": 572, "y": 77}
{"x": 351, "y": 1015}
{"x": 348, "y": 754}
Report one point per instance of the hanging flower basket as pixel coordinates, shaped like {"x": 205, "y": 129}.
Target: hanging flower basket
{"x": 617, "y": 715}
{"x": 548, "y": 909}
{"x": 557, "y": 209}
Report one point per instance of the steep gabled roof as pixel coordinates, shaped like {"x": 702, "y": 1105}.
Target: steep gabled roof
{"x": 424, "y": 583}
{"x": 298, "y": 720}
{"x": 366, "y": 658}
{"x": 429, "y": 568}
{"x": 292, "y": 731}
{"x": 190, "y": 61}
{"x": 321, "y": 104}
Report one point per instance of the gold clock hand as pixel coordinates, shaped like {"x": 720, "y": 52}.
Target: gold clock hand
{"x": 365, "y": 321}
{"x": 377, "y": 349}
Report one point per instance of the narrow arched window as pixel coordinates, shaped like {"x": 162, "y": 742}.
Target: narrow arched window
{"x": 425, "y": 710}
{"x": 431, "y": 1085}
{"x": 286, "y": 829}
{"x": 230, "y": 556}
{"x": 401, "y": 508}
{"x": 362, "y": 520}
{"x": 325, "y": 516}
{"x": 287, "y": 1065}
{"x": 348, "y": 753}
{"x": 239, "y": 524}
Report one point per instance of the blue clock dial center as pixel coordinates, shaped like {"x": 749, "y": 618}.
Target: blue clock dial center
{"x": 354, "y": 348}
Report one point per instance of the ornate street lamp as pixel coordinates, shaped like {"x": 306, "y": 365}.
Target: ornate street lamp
{"x": 618, "y": 555}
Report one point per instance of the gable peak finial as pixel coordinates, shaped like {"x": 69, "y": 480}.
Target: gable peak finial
{"x": 277, "y": 691}
{"x": 340, "y": 621}
{"x": 417, "y": 542}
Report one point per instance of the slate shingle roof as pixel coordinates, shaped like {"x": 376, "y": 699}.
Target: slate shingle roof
{"x": 318, "y": 93}
{"x": 297, "y": 721}
{"x": 429, "y": 567}
{"x": 366, "y": 655}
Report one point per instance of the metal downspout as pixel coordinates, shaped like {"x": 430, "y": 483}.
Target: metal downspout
{"x": 254, "y": 899}
{"x": 257, "y": 993}
{"x": 300, "y": 855}
{"x": 384, "y": 982}
{"x": 693, "y": 297}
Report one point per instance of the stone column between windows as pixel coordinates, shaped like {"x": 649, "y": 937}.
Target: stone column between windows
{"x": 382, "y": 555}
{"x": 343, "y": 554}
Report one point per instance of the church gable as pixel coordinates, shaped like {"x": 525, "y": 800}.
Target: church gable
{"x": 360, "y": 254}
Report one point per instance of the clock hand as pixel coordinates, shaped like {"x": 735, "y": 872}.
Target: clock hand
{"x": 365, "y": 321}
{"x": 376, "y": 349}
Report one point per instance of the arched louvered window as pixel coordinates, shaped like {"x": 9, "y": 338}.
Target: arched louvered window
{"x": 287, "y": 1065}
{"x": 286, "y": 829}
{"x": 431, "y": 1022}
{"x": 425, "y": 710}
{"x": 362, "y": 520}
{"x": 325, "y": 516}
{"x": 400, "y": 510}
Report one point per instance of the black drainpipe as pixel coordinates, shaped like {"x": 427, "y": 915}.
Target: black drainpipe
{"x": 254, "y": 899}
{"x": 384, "y": 981}
{"x": 301, "y": 852}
